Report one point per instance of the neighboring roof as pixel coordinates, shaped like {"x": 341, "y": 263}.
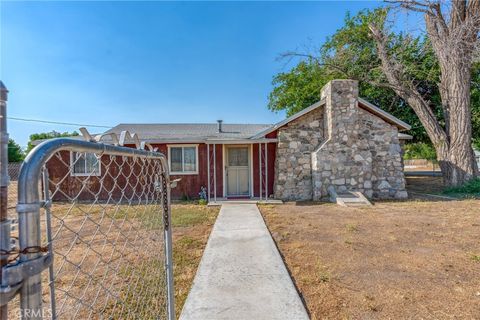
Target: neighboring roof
{"x": 14, "y": 170}
{"x": 192, "y": 132}
{"x": 38, "y": 141}
{"x": 403, "y": 136}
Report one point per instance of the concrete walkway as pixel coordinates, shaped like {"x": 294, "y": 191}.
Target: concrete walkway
{"x": 241, "y": 275}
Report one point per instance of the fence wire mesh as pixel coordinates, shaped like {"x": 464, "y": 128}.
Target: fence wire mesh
{"x": 104, "y": 218}
{"x": 13, "y": 172}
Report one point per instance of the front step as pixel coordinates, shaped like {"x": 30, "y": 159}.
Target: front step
{"x": 352, "y": 199}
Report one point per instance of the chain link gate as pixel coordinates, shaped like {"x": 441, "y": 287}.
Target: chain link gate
{"x": 97, "y": 216}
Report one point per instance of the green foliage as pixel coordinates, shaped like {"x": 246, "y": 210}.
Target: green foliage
{"x": 351, "y": 53}
{"x": 48, "y": 135}
{"x": 15, "y": 152}
{"x": 476, "y": 143}
{"x": 475, "y": 103}
{"x": 299, "y": 88}
{"x": 469, "y": 189}
{"x": 185, "y": 216}
{"x": 420, "y": 150}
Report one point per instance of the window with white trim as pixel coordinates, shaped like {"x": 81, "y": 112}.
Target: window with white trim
{"x": 84, "y": 164}
{"x": 183, "y": 159}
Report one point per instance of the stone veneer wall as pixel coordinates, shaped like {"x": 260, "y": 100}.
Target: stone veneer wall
{"x": 387, "y": 177}
{"x": 296, "y": 141}
{"x": 336, "y": 148}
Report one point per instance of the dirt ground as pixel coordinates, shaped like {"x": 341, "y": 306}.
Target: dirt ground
{"x": 421, "y": 185}
{"x": 395, "y": 260}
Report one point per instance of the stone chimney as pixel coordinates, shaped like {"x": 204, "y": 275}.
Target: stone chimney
{"x": 341, "y": 111}
{"x": 339, "y": 164}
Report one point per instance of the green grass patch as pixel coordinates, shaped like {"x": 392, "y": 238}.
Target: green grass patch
{"x": 470, "y": 189}
{"x": 191, "y": 215}
{"x": 351, "y": 227}
{"x": 475, "y": 257}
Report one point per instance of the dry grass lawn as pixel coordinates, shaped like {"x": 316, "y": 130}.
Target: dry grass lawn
{"x": 395, "y": 260}
{"x": 102, "y": 251}
{"x": 191, "y": 228}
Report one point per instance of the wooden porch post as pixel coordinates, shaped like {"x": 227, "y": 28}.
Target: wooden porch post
{"x": 266, "y": 172}
{"x": 260, "y": 171}
{"x": 214, "y": 172}
{"x": 208, "y": 170}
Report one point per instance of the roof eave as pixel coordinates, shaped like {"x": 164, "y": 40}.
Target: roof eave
{"x": 289, "y": 119}
{"x": 402, "y": 126}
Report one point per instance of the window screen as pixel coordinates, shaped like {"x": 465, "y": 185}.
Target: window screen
{"x": 85, "y": 164}
{"x": 183, "y": 159}
{"x": 238, "y": 157}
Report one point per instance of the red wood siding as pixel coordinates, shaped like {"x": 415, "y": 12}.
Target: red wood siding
{"x": 64, "y": 186}
{"x": 188, "y": 187}
{"x": 271, "y": 153}
{"x": 190, "y": 184}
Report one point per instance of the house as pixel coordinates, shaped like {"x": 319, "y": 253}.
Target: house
{"x": 340, "y": 143}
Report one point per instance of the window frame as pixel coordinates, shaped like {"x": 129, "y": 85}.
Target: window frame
{"x": 95, "y": 173}
{"x": 183, "y": 146}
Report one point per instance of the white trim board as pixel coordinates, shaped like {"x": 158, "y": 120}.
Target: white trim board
{"x": 182, "y": 173}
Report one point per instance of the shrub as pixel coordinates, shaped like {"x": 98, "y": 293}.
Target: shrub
{"x": 471, "y": 187}
{"x": 420, "y": 150}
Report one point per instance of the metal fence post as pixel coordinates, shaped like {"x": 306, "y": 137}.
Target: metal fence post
{"x": 167, "y": 214}
{"x": 29, "y": 233}
{"x": 4, "y": 181}
{"x": 48, "y": 217}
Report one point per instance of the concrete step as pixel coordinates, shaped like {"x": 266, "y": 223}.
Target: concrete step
{"x": 352, "y": 199}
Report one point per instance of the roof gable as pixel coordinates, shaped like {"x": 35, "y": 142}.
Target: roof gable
{"x": 362, "y": 103}
{"x": 388, "y": 117}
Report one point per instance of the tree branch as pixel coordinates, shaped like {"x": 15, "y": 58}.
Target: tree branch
{"x": 406, "y": 89}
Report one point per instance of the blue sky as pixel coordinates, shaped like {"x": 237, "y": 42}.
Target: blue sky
{"x": 121, "y": 62}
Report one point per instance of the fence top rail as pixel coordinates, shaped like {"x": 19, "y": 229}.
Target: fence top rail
{"x": 33, "y": 164}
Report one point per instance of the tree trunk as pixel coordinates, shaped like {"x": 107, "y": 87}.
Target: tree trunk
{"x": 457, "y": 161}
{"x": 457, "y": 164}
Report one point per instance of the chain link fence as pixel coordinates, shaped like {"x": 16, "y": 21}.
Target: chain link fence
{"x": 94, "y": 235}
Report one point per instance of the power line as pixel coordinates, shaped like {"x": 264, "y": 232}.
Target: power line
{"x": 58, "y": 122}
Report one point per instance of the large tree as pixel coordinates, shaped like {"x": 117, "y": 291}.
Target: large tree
{"x": 409, "y": 67}
{"x": 453, "y": 32}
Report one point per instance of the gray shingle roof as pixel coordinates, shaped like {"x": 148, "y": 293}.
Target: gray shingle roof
{"x": 189, "y": 131}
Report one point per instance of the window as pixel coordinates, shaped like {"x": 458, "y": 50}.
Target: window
{"x": 183, "y": 159}
{"x": 238, "y": 157}
{"x": 84, "y": 164}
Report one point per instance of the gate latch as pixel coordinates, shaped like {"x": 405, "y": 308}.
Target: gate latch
{"x": 14, "y": 274}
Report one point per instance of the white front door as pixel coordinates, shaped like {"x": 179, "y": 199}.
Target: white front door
{"x": 237, "y": 171}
